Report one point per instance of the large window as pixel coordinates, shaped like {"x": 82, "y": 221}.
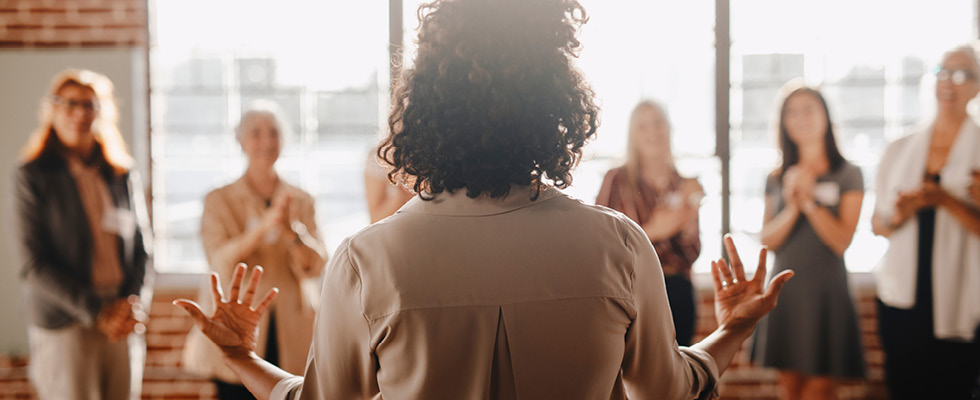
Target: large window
{"x": 327, "y": 64}
{"x": 873, "y": 68}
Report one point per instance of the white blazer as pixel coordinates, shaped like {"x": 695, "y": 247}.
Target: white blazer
{"x": 956, "y": 253}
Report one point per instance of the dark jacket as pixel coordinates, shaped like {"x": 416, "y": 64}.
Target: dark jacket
{"x": 56, "y": 242}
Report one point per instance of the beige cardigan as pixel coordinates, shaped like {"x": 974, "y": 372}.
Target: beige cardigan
{"x": 460, "y": 298}
{"x": 228, "y": 212}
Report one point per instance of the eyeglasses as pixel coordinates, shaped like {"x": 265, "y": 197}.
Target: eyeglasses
{"x": 72, "y": 104}
{"x": 957, "y": 76}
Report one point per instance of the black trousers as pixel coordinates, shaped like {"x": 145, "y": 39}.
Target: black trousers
{"x": 918, "y": 366}
{"x": 680, "y": 295}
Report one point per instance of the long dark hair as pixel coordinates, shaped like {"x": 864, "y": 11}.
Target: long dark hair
{"x": 791, "y": 152}
{"x": 493, "y": 99}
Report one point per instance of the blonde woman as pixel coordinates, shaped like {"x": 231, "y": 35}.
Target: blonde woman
{"x": 83, "y": 228}
{"x": 648, "y": 189}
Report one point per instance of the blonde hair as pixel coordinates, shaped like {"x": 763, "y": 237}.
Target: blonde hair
{"x": 632, "y": 152}
{"x": 105, "y": 127}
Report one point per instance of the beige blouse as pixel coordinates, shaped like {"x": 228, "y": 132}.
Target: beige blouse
{"x": 460, "y": 298}
{"x": 229, "y": 212}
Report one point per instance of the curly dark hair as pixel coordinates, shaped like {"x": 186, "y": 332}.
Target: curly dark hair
{"x": 493, "y": 99}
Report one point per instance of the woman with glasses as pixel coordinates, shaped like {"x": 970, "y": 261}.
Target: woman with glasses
{"x": 260, "y": 219}
{"x": 648, "y": 189}
{"x": 813, "y": 201}
{"x": 83, "y": 228}
{"x": 928, "y": 283}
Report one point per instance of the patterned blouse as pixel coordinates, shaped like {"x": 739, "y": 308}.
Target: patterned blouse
{"x": 676, "y": 253}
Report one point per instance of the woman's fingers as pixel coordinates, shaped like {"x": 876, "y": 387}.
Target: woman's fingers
{"x": 236, "y": 282}
{"x": 216, "y": 288}
{"x": 727, "y": 278}
{"x": 776, "y": 285}
{"x": 760, "y": 270}
{"x": 195, "y": 312}
{"x": 733, "y": 256}
{"x": 253, "y": 285}
{"x": 716, "y": 274}
{"x": 267, "y": 301}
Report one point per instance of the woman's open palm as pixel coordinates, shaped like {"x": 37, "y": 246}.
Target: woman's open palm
{"x": 740, "y": 302}
{"x": 234, "y": 325}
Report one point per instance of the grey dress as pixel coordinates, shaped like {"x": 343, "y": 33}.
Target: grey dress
{"x": 814, "y": 328}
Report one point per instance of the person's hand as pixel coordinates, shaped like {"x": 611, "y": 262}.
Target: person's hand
{"x": 934, "y": 195}
{"x": 692, "y": 192}
{"x": 121, "y": 317}
{"x": 906, "y": 205}
{"x": 740, "y": 303}
{"x": 666, "y": 221}
{"x": 277, "y": 216}
{"x": 789, "y": 186}
{"x": 234, "y": 325}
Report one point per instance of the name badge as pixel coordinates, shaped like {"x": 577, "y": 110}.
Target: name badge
{"x": 827, "y": 193}
{"x": 119, "y": 221}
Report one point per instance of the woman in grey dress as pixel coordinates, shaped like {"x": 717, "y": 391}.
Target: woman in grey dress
{"x": 812, "y": 206}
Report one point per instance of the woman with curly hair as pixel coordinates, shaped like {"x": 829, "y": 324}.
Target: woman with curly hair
{"x": 492, "y": 283}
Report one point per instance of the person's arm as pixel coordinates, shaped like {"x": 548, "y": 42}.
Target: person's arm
{"x": 739, "y": 303}
{"x": 653, "y": 365}
{"x": 777, "y": 226}
{"x": 234, "y": 329}
{"x": 605, "y": 191}
{"x": 964, "y": 213}
{"x": 41, "y": 271}
{"x": 836, "y": 232}
{"x": 341, "y": 364}
{"x": 306, "y": 250}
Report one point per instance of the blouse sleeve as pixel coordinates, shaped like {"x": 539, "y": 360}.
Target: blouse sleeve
{"x": 654, "y": 367}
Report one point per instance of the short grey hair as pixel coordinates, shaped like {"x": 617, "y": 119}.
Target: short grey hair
{"x": 263, "y": 108}
{"x": 969, "y": 49}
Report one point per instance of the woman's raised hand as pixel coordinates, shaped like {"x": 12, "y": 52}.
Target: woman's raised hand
{"x": 740, "y": 302}
{"x": 234, "y": 325}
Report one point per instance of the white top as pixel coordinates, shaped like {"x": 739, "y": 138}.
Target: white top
{"x": 956, "y": 251}
{"x": 460, "y": 298}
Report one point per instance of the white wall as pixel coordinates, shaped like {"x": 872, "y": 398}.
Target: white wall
{"x": 24, "y": 78}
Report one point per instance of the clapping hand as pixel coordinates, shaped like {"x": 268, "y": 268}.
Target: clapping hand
{"x": 798, "y": 185}
{"x": 121, "y": 317}
{"x": 739, "y": 302}
{"x": 974, "y": 189}
{"x": 234, "y": 325}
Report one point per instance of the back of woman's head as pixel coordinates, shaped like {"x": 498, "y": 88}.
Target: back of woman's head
{"x": 493, "y": 99}
{"x": 105, "y": 127}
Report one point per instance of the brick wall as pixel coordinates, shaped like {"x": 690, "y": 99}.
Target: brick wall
{"x": 73, "y": 23}
{"x": 168, "y": 327}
